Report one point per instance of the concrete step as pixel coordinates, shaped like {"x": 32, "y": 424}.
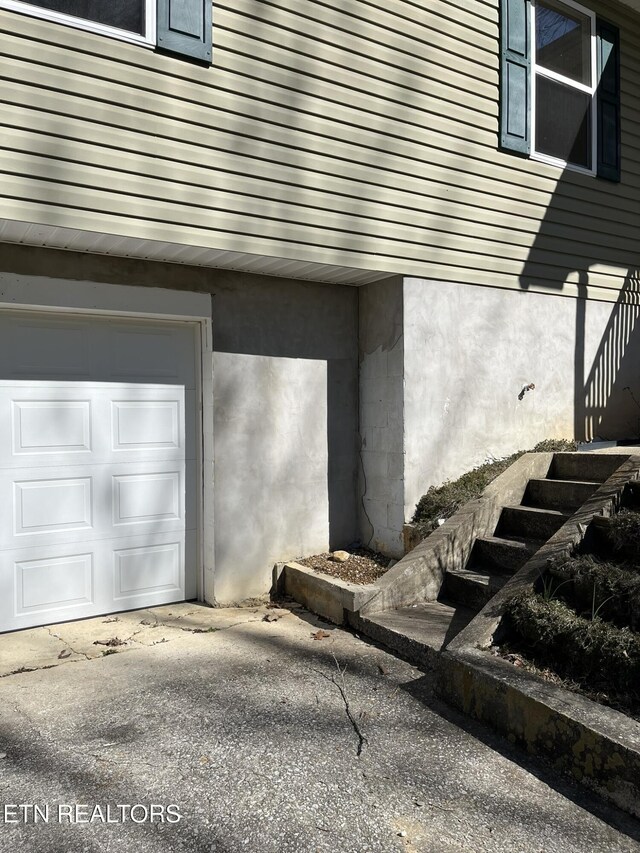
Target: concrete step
{"x": 589, "y": 467}
{"x": 530, "y": 522}
{"x": 501, "y": 555}
{"x": 416, "y": 633}
{"x": 473, "y": 589}
{"x": 564, "y": 495}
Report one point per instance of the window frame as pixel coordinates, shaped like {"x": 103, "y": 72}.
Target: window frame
{"x": 148, "y": 40}
{"x": 539, "y": 70}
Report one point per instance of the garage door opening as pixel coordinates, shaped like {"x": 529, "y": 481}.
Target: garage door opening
{"x": 98, "y": 467}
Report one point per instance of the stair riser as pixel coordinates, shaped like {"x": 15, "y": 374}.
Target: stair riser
{"x": 498, "y": 557}
{"x": 583, "y": 466}
{"x": 516, "y": 521}
{"x": 554, "y": 494}
{"x": 463, "y": 590}
{"x": 419, "y": 654}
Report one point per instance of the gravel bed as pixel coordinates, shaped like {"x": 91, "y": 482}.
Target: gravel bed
{"x": 363, "y": 566}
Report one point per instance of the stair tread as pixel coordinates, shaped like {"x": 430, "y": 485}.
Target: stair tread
{"x": 554, "y": 480}
{"x": 541, "y": 510}
{"x": 520, "y": 542}
{"x": 430, "y": 623}
{"x": 472, "y": 575}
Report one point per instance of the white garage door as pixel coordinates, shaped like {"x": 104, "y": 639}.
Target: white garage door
{"x": 97, "y": 467}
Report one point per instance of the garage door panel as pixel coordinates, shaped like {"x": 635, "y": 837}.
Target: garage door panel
{"x": 84, "y": 503}
{"x": 146, "y": 425}
{"x": 50, "y": 426}
{"x": 52, "y": 583}
{"x": 43, "y": 585}
{"x": 61, "y": 582}
{"x": 148, "y": 570}
{"x": 152, "y": 422}
{"x": 100, "y": 350}
{"x": 147, "y": 498}
{"x": 52, "y": 505}
{"x": 52, "y": 423}
{"x": 41, "y": 348}
{"x": 151, "y": 354}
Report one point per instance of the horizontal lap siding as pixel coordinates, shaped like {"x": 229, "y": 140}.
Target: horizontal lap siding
{"x": 355, "y": 133}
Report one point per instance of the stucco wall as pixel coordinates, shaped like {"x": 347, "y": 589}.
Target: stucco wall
{"x": 285, "y": 425}
{"x": 381, "y": 405}
{"x": 470, "y": 351}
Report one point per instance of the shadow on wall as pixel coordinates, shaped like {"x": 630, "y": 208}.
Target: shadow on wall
{"x": 294, "y": 425}
{"x": 607, "y": 339}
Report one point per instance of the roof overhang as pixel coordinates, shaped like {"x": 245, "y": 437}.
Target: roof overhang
{"x": 73, "y": 240}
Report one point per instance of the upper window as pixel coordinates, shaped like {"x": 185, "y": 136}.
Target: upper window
{"x": 132, "y": 20}
{"x": 564, "y": 84}
{"x": 560, "y": 85}
{"x": 181, "y": 27}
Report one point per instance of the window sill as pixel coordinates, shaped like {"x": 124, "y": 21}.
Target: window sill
{"x": 561, "y": 164}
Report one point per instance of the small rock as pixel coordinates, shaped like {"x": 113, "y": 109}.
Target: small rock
{"x": 403, "y": 834}
{"x": 3, "y": 755}
{"x": 339, "y": 556}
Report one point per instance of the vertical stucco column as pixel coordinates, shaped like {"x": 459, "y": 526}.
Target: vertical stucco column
{"x": 381, "y": 349}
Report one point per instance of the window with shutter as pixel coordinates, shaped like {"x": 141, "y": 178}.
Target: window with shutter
{"x": 560, "y": 99}
{"x": 181, "y": 27}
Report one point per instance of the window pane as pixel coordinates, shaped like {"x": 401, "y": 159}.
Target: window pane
{"x": 563, "y": 41}
{"x": 563, "y": 122}
{"x": 124, "y": 14}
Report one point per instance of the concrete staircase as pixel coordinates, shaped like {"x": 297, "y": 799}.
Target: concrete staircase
{"x": 421, "y": 629}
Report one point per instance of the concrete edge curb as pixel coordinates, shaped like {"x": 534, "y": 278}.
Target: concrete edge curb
{"x": 324, "y": 595}
{"x": 598, "y": 746}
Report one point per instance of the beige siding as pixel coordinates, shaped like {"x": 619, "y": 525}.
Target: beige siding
{"x": 353, "y": 133}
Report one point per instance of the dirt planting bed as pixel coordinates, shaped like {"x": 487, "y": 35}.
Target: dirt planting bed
{"x": 363, "y": 565}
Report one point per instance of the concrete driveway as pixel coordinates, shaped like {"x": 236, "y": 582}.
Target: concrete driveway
{"x": 191, "y": 729}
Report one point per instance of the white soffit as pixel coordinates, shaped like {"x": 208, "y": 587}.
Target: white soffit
{"x": 175, "y": 253}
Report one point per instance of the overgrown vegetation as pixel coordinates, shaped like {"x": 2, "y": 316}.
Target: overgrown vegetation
{"x": 622, "y": 535}
{"x": 592, "y": 652}
{"x": 593, "y": 586}
{"x": 443, "y": 501}
{"x": 582, "y": 619}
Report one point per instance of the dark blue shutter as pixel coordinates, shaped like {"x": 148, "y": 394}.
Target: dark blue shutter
{"x": 608, "y": 94}
{"x": 184, "y": 27}
{"x": 515, "y": 76}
